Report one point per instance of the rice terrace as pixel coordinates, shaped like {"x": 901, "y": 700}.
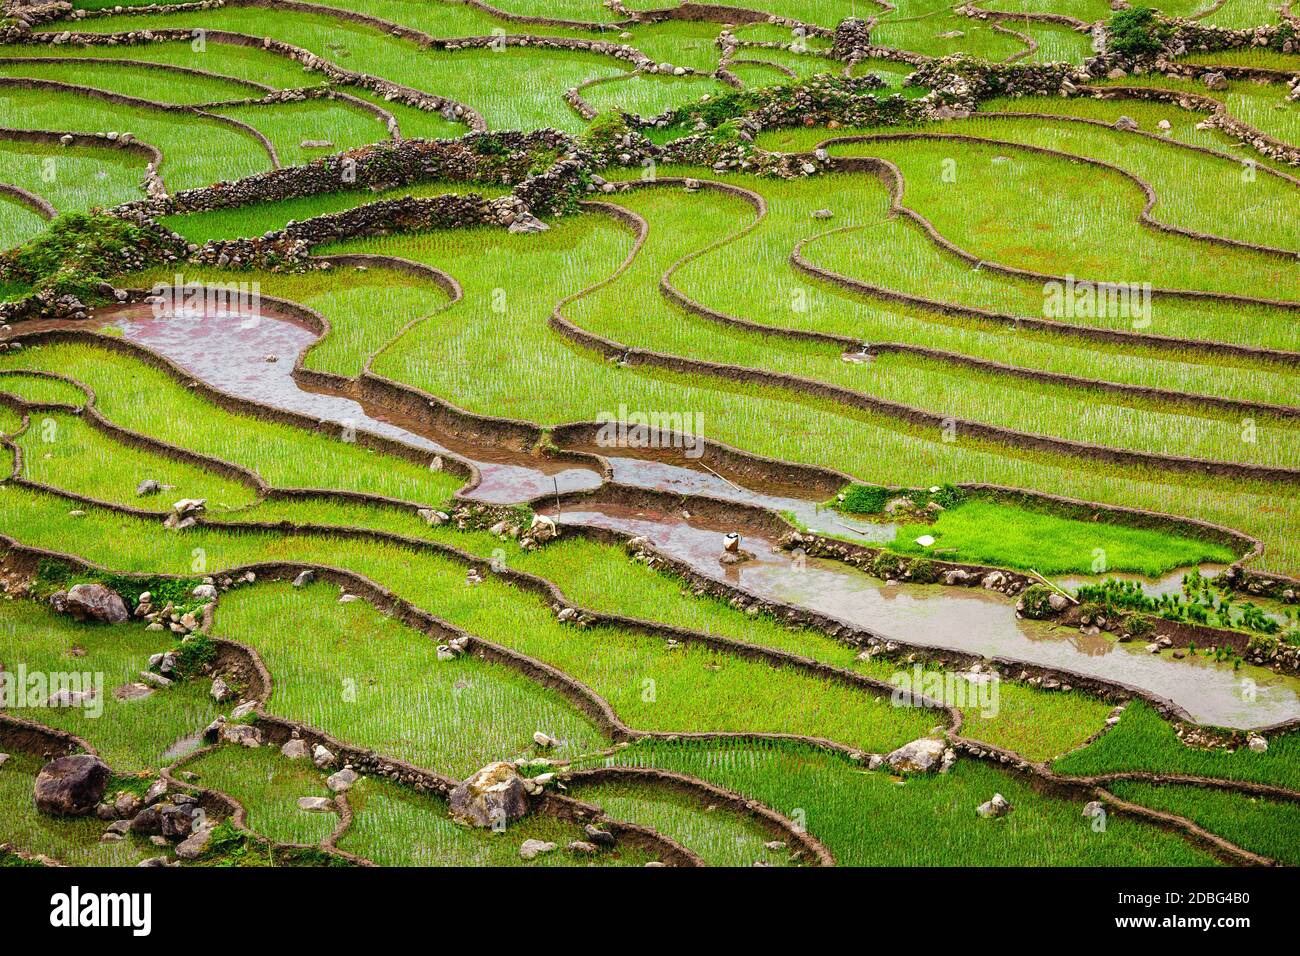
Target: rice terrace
{"x": 639, "y": 433}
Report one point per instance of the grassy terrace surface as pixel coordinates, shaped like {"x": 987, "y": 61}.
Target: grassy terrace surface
{"x": 720, "y": 837}
{"x": 1266, "y": 827}
{"x": 283, "y": 455}
{"x": 650, "y": 685}
{"x": 350, "y": 671}
{"x": 1142, "y": 741}
{"x": 130, "y": 735}
{"x": 71, "y": 178}
{"x": 253, "y": 221}
{"x": 72, "y": 841}
{"x": 871, "y": 819}
{"x": 395, "y": 827}
{"x": 360, "y": 676}
{"x": 268, "y": 785}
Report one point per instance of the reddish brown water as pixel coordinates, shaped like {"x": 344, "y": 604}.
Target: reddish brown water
{"x": 967, "y": 619}
{"x": 228, "y": 351}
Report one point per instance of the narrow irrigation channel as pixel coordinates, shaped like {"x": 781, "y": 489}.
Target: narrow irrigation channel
{"x": 252, "y": 357}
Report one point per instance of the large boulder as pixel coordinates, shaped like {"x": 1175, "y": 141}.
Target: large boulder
{"x": 493, "y": 796}
{"x": 71, "y": 786}
{"x": 94, "y": 602}
{"x": 919, "y": 756}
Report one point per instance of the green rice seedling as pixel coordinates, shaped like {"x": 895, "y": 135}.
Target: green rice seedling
{"x": 268, "y": 786}
{"x": 130, "y": 734}
{"x": 71, "y": 178}
{"x": 722, "y": 837}
{"x": 18, "y": 222}
{"x": 1143, "y": 741}
{"x": 359, "y": 676}
{"x": 158, "y": 86}
{"x": 289, "y": 125}
{"x": 874, "y": 819}
{"x": 38, "y": 388}
{"x": 246, "y": 63}
{"x": 396, "y": 827}
{"x": 1266, "y": 827}
{"x": 63, "y": 451}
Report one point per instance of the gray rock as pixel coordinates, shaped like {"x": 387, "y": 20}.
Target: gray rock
{"x": 194, "y": 845}
{"x": 322, "y": 756}
{"x": 204, "y": 592}
{"x": 148, "y": 487}
{"x": 304, "y": 578}
{"x": 316, "y": 804}
{"x": 1214, "y": 80}
{"x": 295, "y": 748}
{"x": 999, "y": 806}
{"x": 94, "y": 602}
{"x": 531, "y": 849}
{"x": 494, "y": 795}
{"x": 1126, "y": 124}
{"x": 71, "y": 786}
{"x": 221, "y": 691}
{"x": 342, "y": 781}
{"x": 246, "y": 735}
{"x": 919, "y": 756}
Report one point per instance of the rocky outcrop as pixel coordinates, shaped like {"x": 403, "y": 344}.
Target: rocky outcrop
{"x": 492, "y": 797}
{"x": 91, "y": 602}
{"x": 71, "y": 786}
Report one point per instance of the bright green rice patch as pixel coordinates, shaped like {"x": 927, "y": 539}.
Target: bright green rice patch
{"x": 983, "y": 532}
{"x": 1143, "y": 741}
{"x": 1266, "y": 827}
{"x": 38, "y": 388}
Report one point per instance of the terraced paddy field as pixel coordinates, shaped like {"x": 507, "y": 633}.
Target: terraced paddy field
{"x": 579, "y": 434}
